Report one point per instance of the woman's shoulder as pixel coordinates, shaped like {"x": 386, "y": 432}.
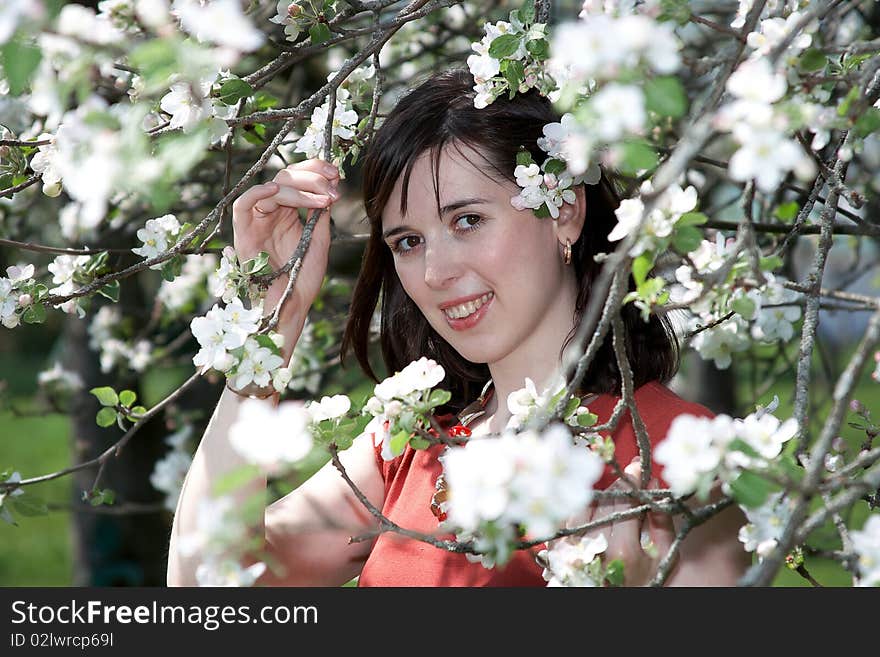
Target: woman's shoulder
{"x": 656, "y": 403}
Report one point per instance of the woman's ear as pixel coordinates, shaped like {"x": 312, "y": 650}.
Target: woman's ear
{"x": 570, "y": 223}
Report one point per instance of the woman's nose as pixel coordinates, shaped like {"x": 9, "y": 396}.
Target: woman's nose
{"x": 442, "y": 267}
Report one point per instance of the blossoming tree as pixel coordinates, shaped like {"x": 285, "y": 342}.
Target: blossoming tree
{"x": 743, "y": 133}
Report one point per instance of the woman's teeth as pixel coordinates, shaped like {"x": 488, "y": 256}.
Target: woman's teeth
{"x": 465, "y": 309}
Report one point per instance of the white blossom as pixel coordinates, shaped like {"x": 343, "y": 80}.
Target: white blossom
{"x": 568, "y": 560}
{"x": 773, "y": 31}
{"x": 168, "y": 475}
{"x": 256, "y": 366}
{"x": 766, "y": 434}
{"x": 660, "y": 222}
{"x": 220, "y": 21}
{"x": 537, "y": 480}
{"x": 157, "y": 237}
{"x": 15, "y": 12}
{"x": 866, "y": 544}
{"x": 344, "y": 121}
{"x": 282, "y": 17}
{"x": 60, "y": 379}
{"x": 619, "y": 110}
{"x": 329, "y": 408}
{"x": 720, "y": 342}
{"x": 692, "y": 452}
{"x": 761, "y": 534}
{"x": 187, "y": 287}
{"x": 273, "y": 438}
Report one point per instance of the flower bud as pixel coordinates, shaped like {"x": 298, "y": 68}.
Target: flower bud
{"x": 550, "y": 181}
{"x": 833, "y": 462}
{"x": 374, "y": 406}
{"x": 856, "y": 406}
{"x": 25, "y": 300}
{"x": 838, "y": 444}
{"x": 52, "y": 190}
{"x": 294, "y": 10}
{"x": 277, "y": 339}
{"x": 393, "y": 408}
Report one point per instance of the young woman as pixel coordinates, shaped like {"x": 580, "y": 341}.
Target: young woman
{"x": 493, "y": 294}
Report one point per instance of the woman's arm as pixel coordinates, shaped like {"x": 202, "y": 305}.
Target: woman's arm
{"x": 306, "y": 532}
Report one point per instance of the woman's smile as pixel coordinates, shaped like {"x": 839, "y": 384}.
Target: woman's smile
{"x": 466, "y": 315}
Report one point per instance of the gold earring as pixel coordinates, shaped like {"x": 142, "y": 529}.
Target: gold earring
{"x": 566, "y": 252}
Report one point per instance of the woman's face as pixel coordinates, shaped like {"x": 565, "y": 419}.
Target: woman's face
{"x": 488, "y": 278}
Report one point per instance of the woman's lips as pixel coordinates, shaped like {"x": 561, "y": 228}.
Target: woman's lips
{"x": 464, "y": 323}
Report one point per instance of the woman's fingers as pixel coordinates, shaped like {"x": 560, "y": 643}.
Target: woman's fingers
{"x": 308, "y": 181}
{"x": 293, "y": 198}
{"x": 242, "y": 206}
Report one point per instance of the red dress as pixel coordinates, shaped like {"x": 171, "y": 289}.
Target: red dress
{"x": 409, "y": 487}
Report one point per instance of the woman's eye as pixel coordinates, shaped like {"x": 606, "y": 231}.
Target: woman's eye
{"x": 407, "y": 243}
{"x": 468, "y": 221}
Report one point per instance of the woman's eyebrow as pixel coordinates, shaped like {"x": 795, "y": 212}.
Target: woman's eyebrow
{"x": 449, "y": 207}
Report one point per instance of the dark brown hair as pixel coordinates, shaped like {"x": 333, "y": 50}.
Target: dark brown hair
{"x": 441, "y": 112}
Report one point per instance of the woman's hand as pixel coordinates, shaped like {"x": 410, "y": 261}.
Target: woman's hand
{"x": 265, "y": 218}
{"x": 625, "y": 537}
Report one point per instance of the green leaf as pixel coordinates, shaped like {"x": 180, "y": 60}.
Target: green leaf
{"x": 787, "y": 211}
{"x": 398, "y": 442}
{"x": 28, "y": 505}
{"x": 319, "y": 32}
{"x": 849, "y": 99}
{"x": 554, "y": 166}
{"x": 637, "y": 156}
{"x": 127, "y": 397}
{"x": 106, "y": 395}
{"x": 171, "y": 268}
{"x": 111, "y": 291}
{"x": 868, "y": 122}
{"x": 538, "y": 48}
{"x": 692, "y": 219}
{"x": 666, "y": 97}
{"x": 419, "y": 443}
{"x": 527, "y": 12}
{"x": 770, "y": 263}
{"x": 641, "y": 266}
{"x": 504, "y": 46}
{"x": 744, "y": 306}
{"x": 34, "y": 314}
{"x": 542, "y": 212}
{"x": 234, "y": 90}
{"x": 106, "y": 417}
{"x": 572, "y": 406}
{"x": 20, "y": 61}
{"x": 750, "y": 490}
{"x": 97, "y": 497}
{"x": 138, "y": 410}
{"x": 687, "y": 239}
{"x": 438, "y": 398}
{"x": 813, "y": 60}
{"x": 614, "y": 573}
{"x": 513, "y": 72}
{"x": 675, "y": 10}
{"x": 587, "y": 419}
{"x": 524, "y": 158}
